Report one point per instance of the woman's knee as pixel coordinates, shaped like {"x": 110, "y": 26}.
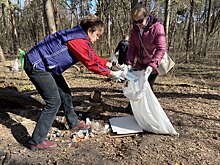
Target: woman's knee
{"x": 57, "y": 102}
{"x": 53, "y": 103}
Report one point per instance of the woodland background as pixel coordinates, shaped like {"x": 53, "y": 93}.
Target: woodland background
{"x": 189, "y": 94}
{"x": 192, "y": 26}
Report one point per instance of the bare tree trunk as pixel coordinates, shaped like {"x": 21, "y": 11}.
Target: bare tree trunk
{"x": 204, "y": 52}
{"x": 167, "y": 20}
{"x": 81, "y": 8}
{"x": 73, "y": 13}
{"x": 3, "y": 14}
{"x": 56, "y": 11}
{"x": 2, "y": 57}
{"x": 109, "y": 34}
{"x": 49, "y": 15}
{"x": 87, "y": 7}
{"x": 43, "y": 26}
{"x": 189, "y": 39}
{"x": 14, "y": 30}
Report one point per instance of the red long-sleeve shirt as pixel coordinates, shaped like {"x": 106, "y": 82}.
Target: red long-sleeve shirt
{"x": 83, "y": 50}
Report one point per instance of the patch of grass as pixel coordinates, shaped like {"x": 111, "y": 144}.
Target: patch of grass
{"x": 106, "y": 56}
{"x": 27, "y": 88}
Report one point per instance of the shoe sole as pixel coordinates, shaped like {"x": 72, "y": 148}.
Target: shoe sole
{"x": 49, "y": 148}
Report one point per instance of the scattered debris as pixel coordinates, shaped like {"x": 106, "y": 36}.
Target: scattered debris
{"x": 96, "y": 96}
{"x": 97, "y": 128}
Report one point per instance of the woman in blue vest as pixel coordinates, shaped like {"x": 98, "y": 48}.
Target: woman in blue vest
{"x": 45, "y": 63}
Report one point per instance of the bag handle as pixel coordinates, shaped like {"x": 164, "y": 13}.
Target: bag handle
{"x": 143, "y": 45}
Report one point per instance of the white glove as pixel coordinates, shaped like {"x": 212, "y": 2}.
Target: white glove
{"x": 130, "y": 68}
{"x": 123, "y": 67}
{"x": 116, "y": 75}
{"x": 109, "y": 65}
{"x": 126, "y": 67}
{"x": 148, "y": 72}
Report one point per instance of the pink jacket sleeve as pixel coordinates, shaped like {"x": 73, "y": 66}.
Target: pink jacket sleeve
{"x": 131, "y": 51}
{"x": 160, "y": 46}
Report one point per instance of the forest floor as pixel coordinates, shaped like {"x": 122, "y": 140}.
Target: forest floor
{"x": 189, "y": 95}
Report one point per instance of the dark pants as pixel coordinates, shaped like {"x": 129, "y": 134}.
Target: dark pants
{"x": 151, "y": 80}
{"x": 122, "y": 59}
{"x": 55, "y": 91}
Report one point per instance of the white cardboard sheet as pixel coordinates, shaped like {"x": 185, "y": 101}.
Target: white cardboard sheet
{"x": 125, "y": 125}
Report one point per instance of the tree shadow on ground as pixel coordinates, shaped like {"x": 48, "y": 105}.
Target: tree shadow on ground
{"x": 33, "y": 113}
{"x": 193, "y": 115}
{"x": 194, "y": 126}
{"x": 18, "y": 131}
{"x": 188, "y": 95}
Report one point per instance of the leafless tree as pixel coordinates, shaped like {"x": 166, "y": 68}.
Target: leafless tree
{"x": 192, "y": 26}
{"x": 49, "y": 16}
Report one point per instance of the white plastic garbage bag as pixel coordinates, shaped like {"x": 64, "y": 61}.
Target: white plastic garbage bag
{"x": 146, "y": 108}
{"x": 15, "y": 67}
{"x": 113, "y": 58}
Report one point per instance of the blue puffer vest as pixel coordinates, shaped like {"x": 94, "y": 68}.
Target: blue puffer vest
{"x": 51, "y": 54}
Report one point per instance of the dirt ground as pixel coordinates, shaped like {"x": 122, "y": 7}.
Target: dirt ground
{"x": 189, "y": 95}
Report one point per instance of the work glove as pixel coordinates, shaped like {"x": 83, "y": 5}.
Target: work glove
{"x": 126, "y": 67}
{"x": 116, "y": 76}
{"x": 115, "y": 66}
{"x": 147, "y": 72}
{"x": 109, "y": 65}
{"x": 130, "y": 69}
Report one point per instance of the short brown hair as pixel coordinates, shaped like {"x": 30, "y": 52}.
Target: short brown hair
{"x": 139, "y": 7}
{"x": 91, "y": 21}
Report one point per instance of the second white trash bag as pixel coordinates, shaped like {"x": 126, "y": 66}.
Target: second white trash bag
{"x": 113, "y": 58}
{"x": 146, "y": 108}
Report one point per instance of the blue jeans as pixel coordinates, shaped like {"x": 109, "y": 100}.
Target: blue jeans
{"x": 55, "y": 91}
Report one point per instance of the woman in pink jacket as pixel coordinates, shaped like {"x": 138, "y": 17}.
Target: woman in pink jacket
{"x": 151, "y": 32}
